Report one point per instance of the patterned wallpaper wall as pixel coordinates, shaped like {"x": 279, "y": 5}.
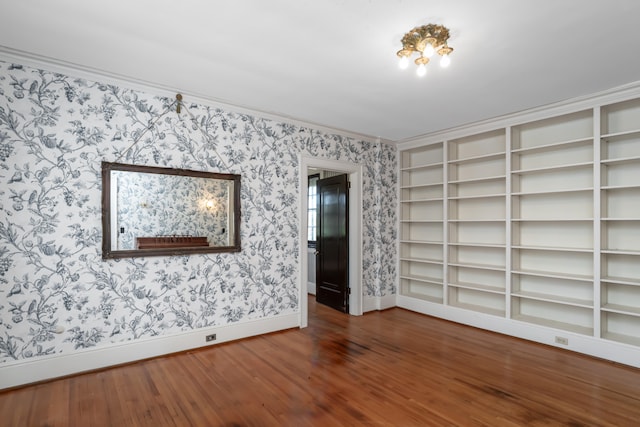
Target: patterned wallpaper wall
{"x": 54, "y": 132}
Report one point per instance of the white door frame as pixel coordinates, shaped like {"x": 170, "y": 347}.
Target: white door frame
{"x": 355, "y": 231}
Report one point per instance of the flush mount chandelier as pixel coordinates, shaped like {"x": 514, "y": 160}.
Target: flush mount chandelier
{"x": 425, "y": 41}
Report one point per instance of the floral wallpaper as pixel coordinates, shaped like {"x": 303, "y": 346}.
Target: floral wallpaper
{"x": 56, "y": 293}
{"x": 151, "y": 205}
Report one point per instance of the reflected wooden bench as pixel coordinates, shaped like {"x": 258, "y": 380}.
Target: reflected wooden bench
{"x": 168, "y": 242}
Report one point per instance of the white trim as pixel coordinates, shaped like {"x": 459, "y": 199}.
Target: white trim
{"x": 311, "y": 283}
{"x": 311, "y": 288}
{"x": 94, "y": 74}
{"x": 387, "y": 301}
{"x": 617, "y": 94}
{"x": 620, "y": 93}
{"x": 597, "y": 347}
{"x": 44, "y": 368}
{"x": 355, "y": 231}
{"x": 370, "y": 303}
{"x": 597, "y": 222}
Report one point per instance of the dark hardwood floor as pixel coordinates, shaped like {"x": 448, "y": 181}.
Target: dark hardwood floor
{"x": 390, "y": 368}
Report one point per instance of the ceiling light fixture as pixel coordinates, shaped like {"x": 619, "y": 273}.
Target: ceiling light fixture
{"x": 425, "y": 41}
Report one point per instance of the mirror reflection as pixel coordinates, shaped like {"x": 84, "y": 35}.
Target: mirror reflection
{"x": 160, "y": 211}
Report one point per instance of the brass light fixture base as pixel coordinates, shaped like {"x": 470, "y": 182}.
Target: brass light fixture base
{"x": 430, "y": 37}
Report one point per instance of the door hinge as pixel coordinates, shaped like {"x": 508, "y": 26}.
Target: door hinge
{"x": 349, "y": 182}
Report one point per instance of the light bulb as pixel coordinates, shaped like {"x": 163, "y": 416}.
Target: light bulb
{"x": 445, "y": 61}
{"x": 422, "y": 70}
{"x": 404, "y": 62}
{"x": 428, "y": 50}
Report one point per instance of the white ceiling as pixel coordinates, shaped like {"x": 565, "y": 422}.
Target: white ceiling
{"x": 333, "y": 63}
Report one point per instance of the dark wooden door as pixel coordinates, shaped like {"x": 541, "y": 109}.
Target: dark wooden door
{"x": 332, "y": 243}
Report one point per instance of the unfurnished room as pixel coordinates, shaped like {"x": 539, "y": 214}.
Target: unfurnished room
{"x": 319, "y": 213}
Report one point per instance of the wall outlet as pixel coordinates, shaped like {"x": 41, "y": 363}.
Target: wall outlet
{"x": 210, "y": 338}
{"x": 562, "y": 340}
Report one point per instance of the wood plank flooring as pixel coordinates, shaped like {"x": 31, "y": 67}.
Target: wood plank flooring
{"x": 391, "y": 368}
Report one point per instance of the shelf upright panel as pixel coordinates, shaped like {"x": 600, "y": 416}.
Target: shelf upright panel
{"x": 597, "y": 228}
{"x": 445, "y": 223}
{"x": 508, "y": 218}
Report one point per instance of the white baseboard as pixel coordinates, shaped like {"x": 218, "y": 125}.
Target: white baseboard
{"x": 311, "y": 288}
{"x": 30, "y": 371}
{"x": 369, "y": 304}
{"x": 387, "y": 301}
{"x": 378, "y": 303}
{"x": 597, "y": 347}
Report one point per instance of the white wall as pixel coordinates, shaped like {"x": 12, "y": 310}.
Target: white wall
{"x": 311, "y": 273}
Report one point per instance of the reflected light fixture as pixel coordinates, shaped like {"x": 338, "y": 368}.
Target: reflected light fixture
{"x": 425, "y": 41}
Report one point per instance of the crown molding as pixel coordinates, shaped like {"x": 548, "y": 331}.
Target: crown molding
{"x": 616, "y": 94}
{"x": 48, "y": 63}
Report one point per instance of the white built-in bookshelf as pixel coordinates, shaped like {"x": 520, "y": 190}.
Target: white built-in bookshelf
{"x": 535, "y": 222}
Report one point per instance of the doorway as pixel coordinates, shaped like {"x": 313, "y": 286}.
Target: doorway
{"x": 332, "y": 242}
{"x": 354, "y": 172}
